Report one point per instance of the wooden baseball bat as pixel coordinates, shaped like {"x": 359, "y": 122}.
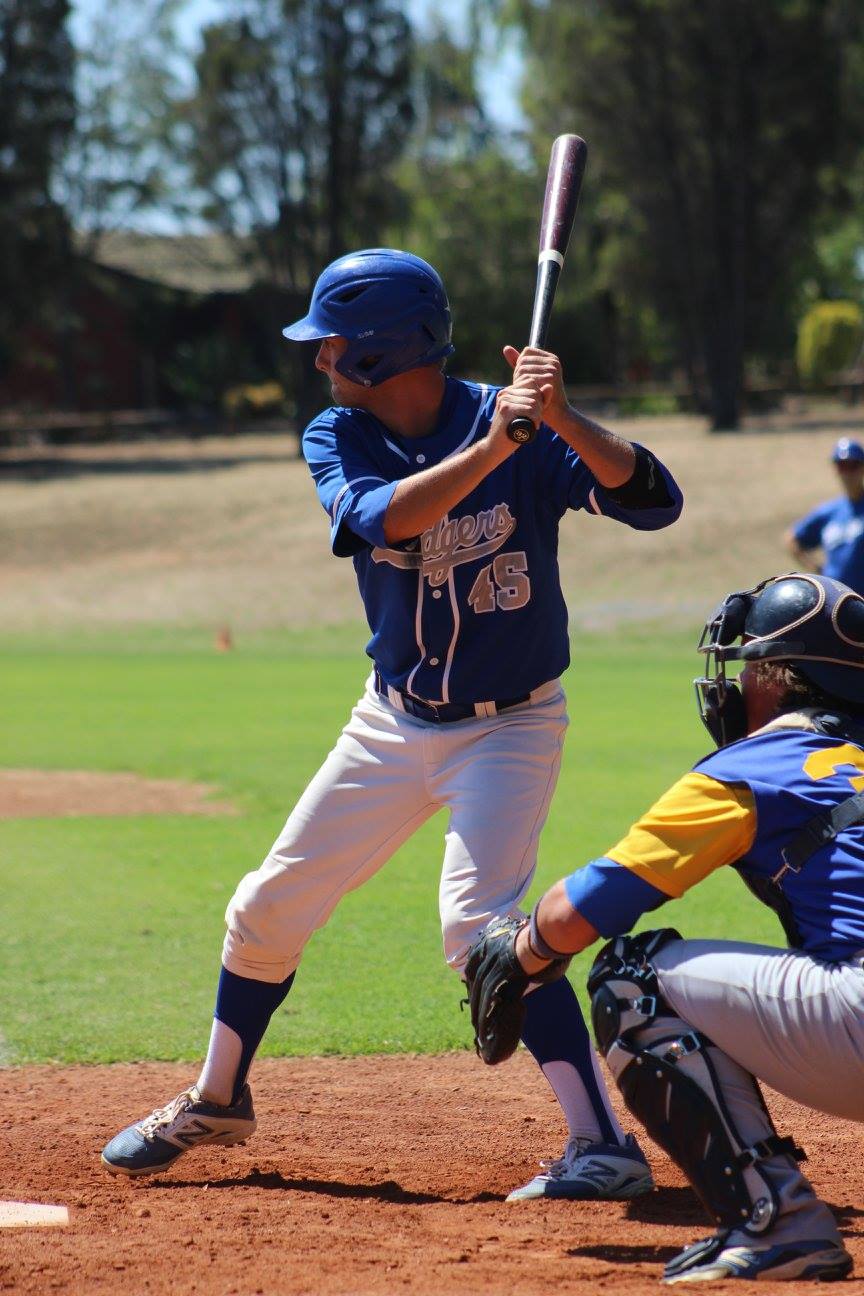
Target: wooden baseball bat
{"x": 563, "y": 184}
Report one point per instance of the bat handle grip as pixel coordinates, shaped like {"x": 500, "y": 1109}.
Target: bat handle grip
{"x": 521, "y": 430}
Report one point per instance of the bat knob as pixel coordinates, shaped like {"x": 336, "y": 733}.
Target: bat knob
{"x": 521, "y": 430}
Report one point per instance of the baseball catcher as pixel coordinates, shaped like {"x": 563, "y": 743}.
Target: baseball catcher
{"x": 689, "y": 1027}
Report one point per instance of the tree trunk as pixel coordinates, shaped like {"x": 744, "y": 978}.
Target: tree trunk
{"x": 724, "y": 369}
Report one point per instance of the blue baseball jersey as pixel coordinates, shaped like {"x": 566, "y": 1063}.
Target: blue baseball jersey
{"x": 837, "y": 527}
{"x": 472, "y": 610}
{"x": 740, "y": 807}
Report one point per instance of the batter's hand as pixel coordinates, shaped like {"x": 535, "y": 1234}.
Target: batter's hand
{"x": 543, "y": 370}
{"x": 521, "y": 400}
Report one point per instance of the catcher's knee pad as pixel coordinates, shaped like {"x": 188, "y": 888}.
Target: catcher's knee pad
{"x": 623, "y": 985}
{"x": 669, "y": 1082}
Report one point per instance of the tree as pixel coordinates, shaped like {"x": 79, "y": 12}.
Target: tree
{"x": 469, "y": 210}
{"x": 300, "y": 110}
{"x": 119, "y": 164}
{"x": 36, "y": 118}
{"x": 719, "y": 123}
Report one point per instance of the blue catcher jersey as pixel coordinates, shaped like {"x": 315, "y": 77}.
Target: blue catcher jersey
{"x": 837, "y": 527}
{"x": 792, "y": 775}
{"x": 471, "y": 610}
{"x": 741, "y": 806}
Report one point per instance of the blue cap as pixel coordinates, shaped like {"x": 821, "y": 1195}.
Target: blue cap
{"x": 848, "y": 451}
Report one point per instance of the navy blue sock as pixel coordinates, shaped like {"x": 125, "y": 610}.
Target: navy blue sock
{"x": 246, "y": 1006}
{"x": 555, "y": 1031}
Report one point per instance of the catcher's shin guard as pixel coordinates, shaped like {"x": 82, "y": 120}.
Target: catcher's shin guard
{"x": 669, "y": 1081}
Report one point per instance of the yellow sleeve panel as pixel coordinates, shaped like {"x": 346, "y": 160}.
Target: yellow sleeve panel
{"x": 696, "y": 827}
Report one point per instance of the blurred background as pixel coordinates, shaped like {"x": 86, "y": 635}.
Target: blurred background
{"x": 175, "y": 173}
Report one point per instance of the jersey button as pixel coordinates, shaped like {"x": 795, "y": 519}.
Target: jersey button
{"x": 433, "y": 661}
{"x": 421, "y": 459}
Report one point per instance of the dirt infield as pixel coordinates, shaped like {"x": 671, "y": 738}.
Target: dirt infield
{"x": 371, "y": 1175}
{"x": 37, "y": 794}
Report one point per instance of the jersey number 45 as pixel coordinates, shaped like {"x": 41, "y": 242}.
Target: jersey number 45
{"x": 503, "y": 583}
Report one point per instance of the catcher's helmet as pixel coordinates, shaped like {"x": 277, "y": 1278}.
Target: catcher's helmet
{"x": 813, "y": 622}
{"x": 390, "y": 305}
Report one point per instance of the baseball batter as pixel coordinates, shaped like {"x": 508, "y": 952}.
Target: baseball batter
{"x": 452, "y": 529}
{"x": 687, "y": 1026}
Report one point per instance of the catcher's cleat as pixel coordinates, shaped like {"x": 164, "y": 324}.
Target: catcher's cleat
{"x": 586, "y": 1171}
{"x": 713, "y": 1259}
{"x": 186, "y": 1122}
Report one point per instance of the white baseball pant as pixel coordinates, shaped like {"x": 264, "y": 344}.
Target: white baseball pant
{"x": 387, "y": 774}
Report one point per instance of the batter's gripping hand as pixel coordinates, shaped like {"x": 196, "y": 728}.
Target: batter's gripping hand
{"x": 496, "y": 989}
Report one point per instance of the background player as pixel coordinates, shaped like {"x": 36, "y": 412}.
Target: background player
{"x": 837, "y": 526}
{"x": 686, "y": 1025}
{"x": 453, "y": 532}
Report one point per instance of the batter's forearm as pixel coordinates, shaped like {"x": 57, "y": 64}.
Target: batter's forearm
{"x": 421, "y": 500}
{"x": 611, "y": 458}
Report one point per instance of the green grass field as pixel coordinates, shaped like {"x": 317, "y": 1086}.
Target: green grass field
{"x": 110, "y": 928}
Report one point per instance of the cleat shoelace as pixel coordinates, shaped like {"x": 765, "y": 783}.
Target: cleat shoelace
{"x": 163, "y": 1116}
{"x": 558, "y": 1168}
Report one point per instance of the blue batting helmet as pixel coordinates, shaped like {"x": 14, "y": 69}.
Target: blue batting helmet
{"x": 390, "y": 305}
{"x": 847, "y": 451}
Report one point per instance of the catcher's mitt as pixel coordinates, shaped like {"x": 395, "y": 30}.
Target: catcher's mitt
{"x": 496, "y": 988}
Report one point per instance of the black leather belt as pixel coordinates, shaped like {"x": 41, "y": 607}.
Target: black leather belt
{"x": 442, "y": 712}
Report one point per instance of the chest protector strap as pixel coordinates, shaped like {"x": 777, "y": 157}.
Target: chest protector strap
{"x": 818, "y": 832}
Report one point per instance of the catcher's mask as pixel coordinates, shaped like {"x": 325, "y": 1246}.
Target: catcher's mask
{"x": 390, "y": 305}
{"x": 812, "y": 621}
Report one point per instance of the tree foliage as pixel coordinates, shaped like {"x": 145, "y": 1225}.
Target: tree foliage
{"x": 300, "y": 108}
{"x": 120, "y": 165}
{"x": 470, "y": 210}
{"x": 723, "y": 125}
{"x": 830, "y": 339}
{"x": 36, "y": 118}
{"x": 473, "y": 211}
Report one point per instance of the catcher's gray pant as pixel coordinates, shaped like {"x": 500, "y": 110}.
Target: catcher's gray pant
{"x": 788, "y": 1019}
{"x": 388, "y": 773}
{"x": 791, "y": 1020}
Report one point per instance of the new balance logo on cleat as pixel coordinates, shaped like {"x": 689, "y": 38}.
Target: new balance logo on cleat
{"x": 588, "y": 1171}
{"x": 188, "y": 1121}
{"x": 199, "y": 1131}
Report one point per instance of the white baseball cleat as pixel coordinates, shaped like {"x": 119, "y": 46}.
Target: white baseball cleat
{"x": 187, "y": 1121}
{"x": 712, "y": 1260}
{"x": 586, "y": 1171}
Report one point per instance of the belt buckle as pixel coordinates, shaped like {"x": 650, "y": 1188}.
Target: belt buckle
{"x": 421, "y": 708}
